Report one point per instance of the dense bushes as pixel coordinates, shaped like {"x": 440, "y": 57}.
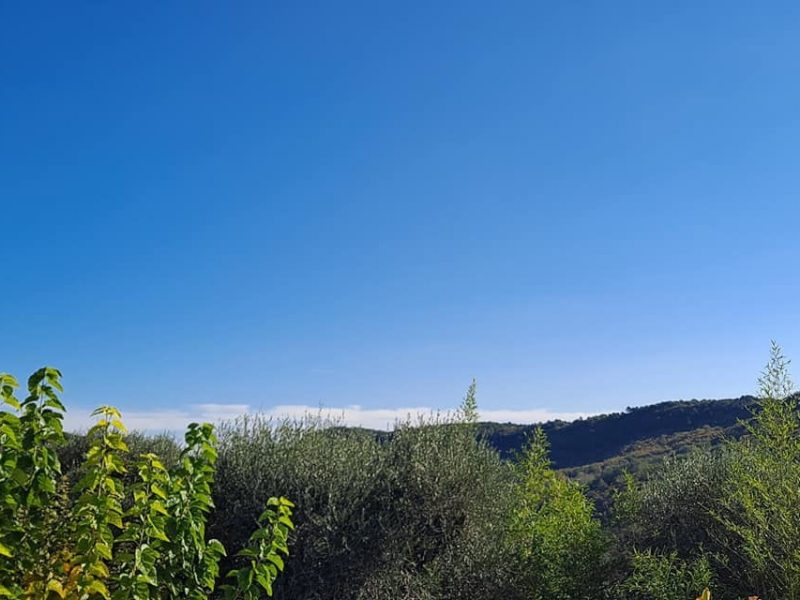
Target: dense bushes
{"x": 331, "y": 474}
{"x": 420, "y": 514}
{"x": 733, "y": 509}
{"x": 673, "y": 510}
{"x": 656, "y": 576}
{"x": 428, "y": 512}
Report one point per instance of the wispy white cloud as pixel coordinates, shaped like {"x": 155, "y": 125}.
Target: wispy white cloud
{"x": 354, "y": 415}
{"x": 161, "y": 419}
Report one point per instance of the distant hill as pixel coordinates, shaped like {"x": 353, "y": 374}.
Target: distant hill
{"x": 597, "y": 450}
{"x": 598, "y": 438}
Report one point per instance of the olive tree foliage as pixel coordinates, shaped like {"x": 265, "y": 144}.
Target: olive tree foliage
{"x": 669, "y": 542}
{"x": 759, "y": 508}
{"x": 416, "y": 513}
{"x": 552, "y": 529}
{"x": 452, "y": 493}
{"x": 673, "y": 509}
{"x": 107, "y": 533}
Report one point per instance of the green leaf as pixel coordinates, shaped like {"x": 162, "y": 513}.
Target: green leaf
{"x": 276, "y": 560}
{"x": 12, "y": 402}
{"x": 217, "y": 546}
{"x": 103, "y": 550}
{"x": 158, "y": 491}
{"x": 286, "y": 521}
{"x": 98, "y": 587}
{"x": 158, "y": 507}
{"x": 115, "y": 520}
{"x": 117, "y": 423}
{"x": 55, "y": 403}
{"x": 158, "y": 534}
{"x": 265, "y": 583}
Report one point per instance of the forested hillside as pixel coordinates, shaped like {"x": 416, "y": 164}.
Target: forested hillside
{"x": 599, "y": 450}
{"x": 603, "y": 437}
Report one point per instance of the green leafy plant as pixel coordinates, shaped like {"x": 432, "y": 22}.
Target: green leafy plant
{"x": 99, "y": 507}
{"x": 146, "y": 523}
{"x": 666, "y": 577}
{"x": 190, "y": 563}
{"x": 552, "y": 529}
{"x": 468, "y": 411}
{"x": 759, "y": 511}
{"x": 101, "y": 539}
{"x": 263, "y": 553}
{"x": 30, "y": 526}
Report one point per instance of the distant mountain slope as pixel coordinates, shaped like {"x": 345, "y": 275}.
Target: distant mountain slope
{"x": 643, "y": 456}
{"x": 596, "y": 451}
{"x": 597, "y": 439}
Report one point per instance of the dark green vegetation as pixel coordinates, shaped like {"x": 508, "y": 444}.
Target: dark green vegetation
{"x": 603, "y": 437}
{"x": 433, "y": 511}
{"x": 598, "y": 451}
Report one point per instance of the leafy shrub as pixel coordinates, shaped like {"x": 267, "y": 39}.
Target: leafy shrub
{"x": 418, "y": 515}
{"x": 673, "y": 509}
{"x": 552, "y": 529}
{"x": 666, "y": 577}
{"x": 733, "y": 508}
{"x": 449, "y": 496}
{"x": 72, "y": 452}
{"x": 762, "y": 493}
{"x": 331, "y": 474}
{"x": 98, "y": 537}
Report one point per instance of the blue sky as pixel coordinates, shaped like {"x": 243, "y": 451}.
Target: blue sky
{"x": 211, "y": 206}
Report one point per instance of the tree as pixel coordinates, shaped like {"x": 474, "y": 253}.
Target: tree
{"x": 468, "y": 411}
{"x": 552, "y": 529}
{"x": 762, "y": 494}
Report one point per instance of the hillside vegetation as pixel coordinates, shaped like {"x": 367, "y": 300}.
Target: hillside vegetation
{"x": 597, "y": 451}
{"x": 431, "y": 511}
{"x": 599, "y": 438}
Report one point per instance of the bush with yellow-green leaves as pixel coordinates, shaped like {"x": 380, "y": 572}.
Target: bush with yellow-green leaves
{"x": 105, "y": 537}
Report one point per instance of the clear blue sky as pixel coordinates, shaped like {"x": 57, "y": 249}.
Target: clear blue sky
{"x": 584, "y": 205}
